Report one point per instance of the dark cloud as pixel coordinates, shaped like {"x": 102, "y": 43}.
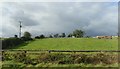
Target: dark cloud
{"x": 25, "y": 19}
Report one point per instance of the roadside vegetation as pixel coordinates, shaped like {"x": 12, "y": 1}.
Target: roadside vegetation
{"x": 22, "y": 59}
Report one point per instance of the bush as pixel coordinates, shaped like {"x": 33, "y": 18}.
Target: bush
{"x": 42, "y": 36}
{"x": 6, "y": 56}
{"x": 50, "y": 36}
{"x": 106, "y": 58}
{"x": 78, "y": 58}
{"x": 44, "y": 58}
{"x": 58, "y": 58}
{"x": 20, "y": 57}
{"x": 26, "y": 39}
{"x": 37, "y": 37}
{"x": 96, "y": 58}
{"x": 66, "y": 60}
{"x": 11, "y": 42}
{"x": 13, "y": 66}
{"x": 23, "y": 58}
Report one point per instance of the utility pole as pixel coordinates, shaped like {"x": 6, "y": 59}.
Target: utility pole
{"x": 20, "y": 29}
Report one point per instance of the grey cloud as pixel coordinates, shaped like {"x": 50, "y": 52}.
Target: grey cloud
{"x": 15, "y": 12}
{"x": 94, "y": 18}
{"x": 26, "y": 20}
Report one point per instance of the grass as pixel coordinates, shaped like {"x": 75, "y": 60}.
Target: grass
{"x": 75, "y": 65}
{"x": 71, "y": 44}
{"x": 65, "y": 44}
{"x": 12, "y": 64}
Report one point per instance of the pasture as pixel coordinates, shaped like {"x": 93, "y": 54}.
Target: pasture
{"x": 70, "y": 44}
{"x": 21, "y": 59}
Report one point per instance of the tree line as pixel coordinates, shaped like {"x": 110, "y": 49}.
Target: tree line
{"x": 76, "y": 33}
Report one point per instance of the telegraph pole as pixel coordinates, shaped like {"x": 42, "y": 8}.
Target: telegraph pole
{"x": 20, "y": 29}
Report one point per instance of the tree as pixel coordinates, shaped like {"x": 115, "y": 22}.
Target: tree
{"x": 27, "y": 35}
{"x": 88, "y": 36}
{"x": 50, "y": 36}
{"x": 56, "y": 35}
{"x": 37, "y": 37}
{"x": 118, "y": 34}
{"x": 63, "y": 35}
{"x": 60, "y": 36}
{"x": 78, "y": 33}
{"x": 15, "y": 36}
{"x": 70, "y": 35}
{"x": 42, "y": 36}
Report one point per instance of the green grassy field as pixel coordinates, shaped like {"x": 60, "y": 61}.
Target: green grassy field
{"x": 71, "y": 44}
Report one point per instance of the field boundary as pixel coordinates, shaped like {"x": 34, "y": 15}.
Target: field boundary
{"x": 63, "y": 50}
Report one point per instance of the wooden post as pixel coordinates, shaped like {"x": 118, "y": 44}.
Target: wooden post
{"x": 25, "y": 53}
{"x": 2, "y": 55}
{"x": 49, "y": 51}
{"x": 74, "y": 52}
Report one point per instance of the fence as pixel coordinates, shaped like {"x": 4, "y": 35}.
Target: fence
{"x": 49, "y": 51}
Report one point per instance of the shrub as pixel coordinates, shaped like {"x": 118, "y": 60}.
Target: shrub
{"x": 44, "y": 58}
{"x": 50, "y": 36}
{"x": 6, "y": 56}
{"x": 21, "y": 57}
{"x": 11, "y": 42}
{"x": 26, "y": 39}
{"x": 42, "y": 36}
{"x": 81, "y": 59}
{"x": 34, "y": 62}
{"x": 58, "y": 58}
{"x": 106, "y": 58}
{"x": 37, "y": 37}
{"x": 66, "y": 60}
{"x": 13, "y": 66}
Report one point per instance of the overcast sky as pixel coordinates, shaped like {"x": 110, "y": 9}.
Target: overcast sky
{"x": 95, "y": 18}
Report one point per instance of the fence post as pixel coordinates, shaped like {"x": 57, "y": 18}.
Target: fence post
{"x": 2, "y": 55}
{"x": 74, "y": 52}
{"x": 25, "y": 53}
{"x": 49, "y": 51}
